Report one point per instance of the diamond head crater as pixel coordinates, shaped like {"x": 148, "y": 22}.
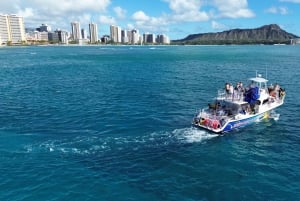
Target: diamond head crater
{"x": 267, "y": 34}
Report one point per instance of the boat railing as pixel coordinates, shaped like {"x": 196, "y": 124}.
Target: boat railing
{"x": 214, "y": 116}
{"x": 235, "y": 96}
{"x": 206, "y": 115}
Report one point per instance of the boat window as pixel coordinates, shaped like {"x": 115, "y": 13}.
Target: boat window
{"x": 265, "y": 101}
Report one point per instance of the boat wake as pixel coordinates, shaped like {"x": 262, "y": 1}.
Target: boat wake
{"x": 192, "y": 135}
{"x": 97, "y": 144}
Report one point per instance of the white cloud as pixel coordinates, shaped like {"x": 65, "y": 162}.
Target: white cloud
{"x": 120, "y": 12}
{"x": 182, "y": 11}
{"x": 192, "y": 16}
{"x": 70, "y": 5}
{"x": 218, "y": 26}
{"x": 140, "y": 16}
{"x": 193, "y": 11}
{"x": 27, "y": 12}
{"x": 107, "y": 20}
{"x": 233, "y": 9}
{"x": 277, "y": 10}
{"x": 187, "y": 11}
{"x": 147, "y": 23}
{"x": 183, "y": 6}
{"x": 130, "y": 26}
{"x": 83, "y": 18}
{"x": 271, "y": 10}
{"x": 57, "y": 13}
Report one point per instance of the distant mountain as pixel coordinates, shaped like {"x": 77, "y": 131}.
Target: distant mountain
{"x": 268, "y": 34}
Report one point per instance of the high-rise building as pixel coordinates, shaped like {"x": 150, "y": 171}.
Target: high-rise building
{"x": 115, "y": 34}
{"x": 12, "y": 29}
{"x": 135, "y": 36}
{"x": 83, "y": 34}
{"x": 4, "y": 29}
{"x": 44, "y": 28}
{"x": 53, "y": 37}
{"x": 43, "y": 36}
{"x": 93, "y": 32}
{"x": 124, "y": 36}
{"x": 62, "y": 36}
{"x": 17, "y": 29}
{"x": 76, "y": 34}
{"x": 129, "y": 35}
{"x": 149, "y": 38}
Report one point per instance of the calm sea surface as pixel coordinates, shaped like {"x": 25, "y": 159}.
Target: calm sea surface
{"x": 114, "y": 123}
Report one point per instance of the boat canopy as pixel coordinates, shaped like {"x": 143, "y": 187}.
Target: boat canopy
{"x": 258, "y": 80}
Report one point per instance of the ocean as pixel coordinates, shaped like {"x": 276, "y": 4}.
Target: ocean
{"x": 114, "y": 123}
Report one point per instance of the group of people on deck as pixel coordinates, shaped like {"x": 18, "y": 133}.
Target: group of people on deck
{"x": 234, "y": 92}
{"x": 276, "y": 91}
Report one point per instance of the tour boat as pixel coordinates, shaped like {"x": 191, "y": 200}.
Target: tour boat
{"x": 236, "y": 107}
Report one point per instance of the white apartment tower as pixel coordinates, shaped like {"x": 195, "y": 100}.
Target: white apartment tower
{"x": 4, "y": 29}
{"x": 124, "y": 36}
{"x": 12, "y": 29}
{"x": 135, "y": 36}
{"x": 76, "y": 32}
{"x": 115, "y": 34}
{"x": 93, "y": 32}
{"x": 17, "y": 28}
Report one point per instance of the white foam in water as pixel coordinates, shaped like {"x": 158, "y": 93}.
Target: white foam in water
{"x": 86, "y": 145}
{"x": 191, "y": 135}
{"x": 274, "y": 116}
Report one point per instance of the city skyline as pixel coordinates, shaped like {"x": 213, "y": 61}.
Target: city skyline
{"x": 176, "y": 18}
{"x": 13, "y": 31}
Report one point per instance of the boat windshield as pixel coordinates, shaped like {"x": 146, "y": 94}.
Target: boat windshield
{"x": 259, "y": 82}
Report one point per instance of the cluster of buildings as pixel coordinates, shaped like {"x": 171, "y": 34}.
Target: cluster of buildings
{"x": 295, "y": 41}
{"x": 43, "y": 34}
{"x": 76, "y": 36}
{"x": 118, "y": 35}
{"x": 13, "y": 32}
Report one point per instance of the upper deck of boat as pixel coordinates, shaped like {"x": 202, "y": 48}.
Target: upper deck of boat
{"x": 235, "y": 98}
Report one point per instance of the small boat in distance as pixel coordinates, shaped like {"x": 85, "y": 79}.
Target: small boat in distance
{"x": 237, "y": 107}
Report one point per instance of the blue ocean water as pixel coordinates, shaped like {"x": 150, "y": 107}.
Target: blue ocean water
{"x": 114, "y": 123}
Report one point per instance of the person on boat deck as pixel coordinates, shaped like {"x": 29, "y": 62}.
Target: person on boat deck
{"x": 239, "y": 90}
{"x": 227, "y": 88}
{"x": 276, "y": 90}
{"x": 237, "y": 86}
{"x": 240, "y": 87}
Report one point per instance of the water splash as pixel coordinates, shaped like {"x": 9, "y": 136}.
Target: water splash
{"x": 192, "y": 135}
{"x": 274, "y": 115}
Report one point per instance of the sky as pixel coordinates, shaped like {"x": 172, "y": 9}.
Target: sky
{"x": 175, "y": 18}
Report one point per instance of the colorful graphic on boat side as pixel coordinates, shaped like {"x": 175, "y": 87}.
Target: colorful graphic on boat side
{"x": 244, "y": 122}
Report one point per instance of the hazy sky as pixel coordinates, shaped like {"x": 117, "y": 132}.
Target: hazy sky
{"x": 176, "y": 18}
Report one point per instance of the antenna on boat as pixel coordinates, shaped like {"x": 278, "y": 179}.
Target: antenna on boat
{"x": 256, "y": 73}
{"x": 266, "y": 72}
